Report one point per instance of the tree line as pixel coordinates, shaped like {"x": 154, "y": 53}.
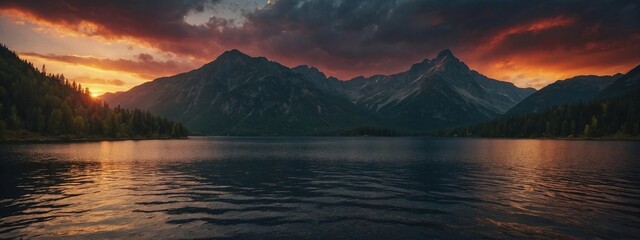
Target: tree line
{"x": 32, "y": 100}
{"x": 617, "y": 117}
{"x": 370, "y": 131}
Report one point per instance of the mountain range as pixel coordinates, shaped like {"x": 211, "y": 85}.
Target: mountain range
{"x": 237, "y": 94}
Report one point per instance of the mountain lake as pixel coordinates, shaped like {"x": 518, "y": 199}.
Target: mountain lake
{"x": 321, "y": 187}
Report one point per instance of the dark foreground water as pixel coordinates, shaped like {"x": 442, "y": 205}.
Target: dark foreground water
{"x": 352, "y": 188}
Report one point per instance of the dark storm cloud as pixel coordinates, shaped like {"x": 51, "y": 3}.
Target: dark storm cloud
{"x": 386, "y": 35}
{"x": 161, "y": 18}
{"x": 159, "y": 23}
{"x": 349, "y": 37}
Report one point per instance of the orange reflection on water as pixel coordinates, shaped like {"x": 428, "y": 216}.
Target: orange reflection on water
{"x": 208, "y": 187}
{"x": 530, "y": 180}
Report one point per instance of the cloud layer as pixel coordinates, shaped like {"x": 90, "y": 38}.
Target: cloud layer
{"x": 511, "y": 40}
{"x": 99, "y": 81}
{"x": 143, "y": 65}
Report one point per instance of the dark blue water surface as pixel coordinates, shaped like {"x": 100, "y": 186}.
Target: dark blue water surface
{"x": 333, "y": 188}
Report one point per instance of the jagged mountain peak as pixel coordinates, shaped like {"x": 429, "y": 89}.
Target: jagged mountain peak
{"x": 311, "y": 72}
{"x": 445, "y": 54}
{"x": 307, "y": 68}
{"x": 232, "y": 59}
{"x": 445, "y": 60}
{"x": 233, "y": 55}
{"x": 233, "y": 52}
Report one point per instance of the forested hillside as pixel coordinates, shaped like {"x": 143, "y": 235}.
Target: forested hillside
{"x": 616, "y": 118}
{"x": 36, "y": 103}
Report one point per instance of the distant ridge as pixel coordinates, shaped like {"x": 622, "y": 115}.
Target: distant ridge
{"x": 572, "y": 90}
{"x": 626, "y": 84}
{"x": 613, "y": 114}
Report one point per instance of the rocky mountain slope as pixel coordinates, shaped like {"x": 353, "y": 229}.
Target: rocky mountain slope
{"x": 238, "y": 94}
{"x": 623, "y": 85}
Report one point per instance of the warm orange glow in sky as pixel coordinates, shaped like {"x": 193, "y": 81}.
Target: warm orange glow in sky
{"x": 120, "y": 45}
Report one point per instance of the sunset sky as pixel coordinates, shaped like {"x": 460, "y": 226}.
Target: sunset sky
{"x": 115, "y": 45}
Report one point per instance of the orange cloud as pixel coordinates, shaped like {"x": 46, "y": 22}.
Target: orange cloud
{"x": 534, "y": 26}
{"x": 144, "y": 65}
{"x": 99, "y": 81}
{"x": 181, "y": 38}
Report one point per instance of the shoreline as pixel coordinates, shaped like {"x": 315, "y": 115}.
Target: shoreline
{"x": 37, "y": 141}
{"x": 41, "y": 139}
{"x": 422, "y": 136}
{"x": 552, "y": 138}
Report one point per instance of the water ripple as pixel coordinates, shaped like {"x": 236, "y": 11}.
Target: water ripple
{"x": 321, "y": 188}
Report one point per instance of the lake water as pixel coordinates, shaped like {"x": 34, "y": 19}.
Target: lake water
{"x": 335, "y": 188}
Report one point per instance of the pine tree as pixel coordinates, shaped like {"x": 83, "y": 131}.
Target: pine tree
{"x": 49, "y": 104}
